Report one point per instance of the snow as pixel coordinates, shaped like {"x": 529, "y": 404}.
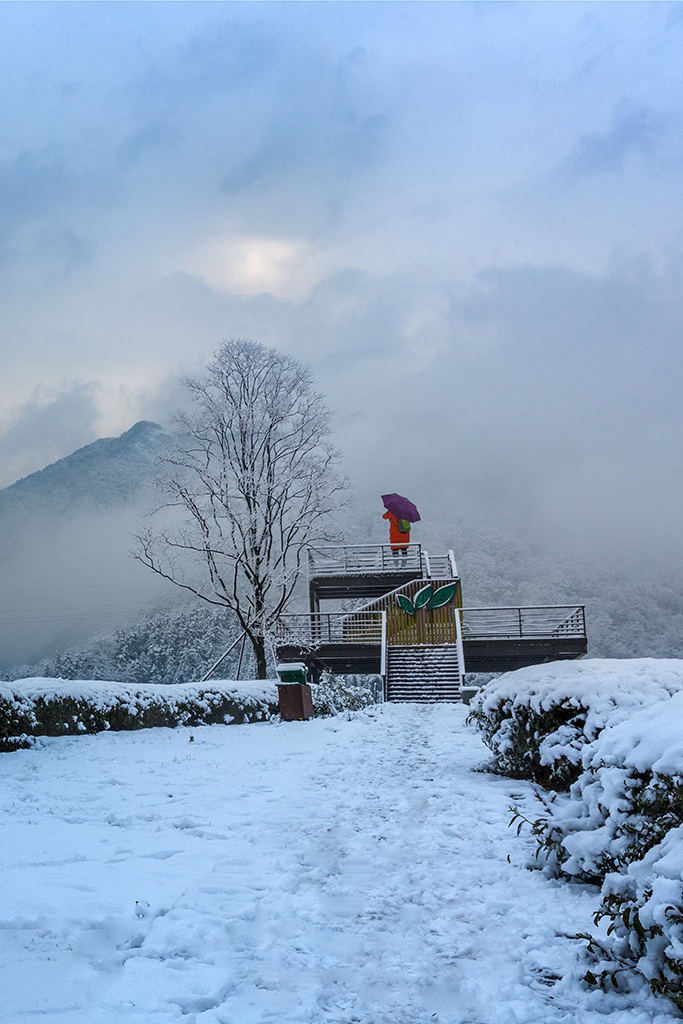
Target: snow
{"x": 102, "y": 694}
{"x": 353, "y": 869}
{"x": 610, "y": 688}
{"x": 597, "y": 824}
{"x": 604, "y": 693}
{"x": 651, "y": 740}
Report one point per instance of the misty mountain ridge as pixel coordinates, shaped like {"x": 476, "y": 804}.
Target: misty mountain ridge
{"x": 110, "y": 472}
{"x": 66, "y": 534}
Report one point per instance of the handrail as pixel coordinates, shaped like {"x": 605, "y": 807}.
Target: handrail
{"x": 459, "y": 645}
{"x": 501, "y": 623}
{"x": 335, "y": 547}
{"x": 514, "y": 622}
{"x": 386, "y": 600}
{"x": 233, "y": 645}
{"x": 312, "y": 630}
{"x": 361, "y": 559}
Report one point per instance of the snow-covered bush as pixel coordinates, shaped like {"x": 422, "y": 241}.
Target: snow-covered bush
{"x": 333, "y": 695}
{"x": 46, "y": 707}
{"x": 17, "y": 720}
{"x": 539, "y": 720}
{"x": 629, "y": 795}
{"x": 619, "y": 727}
{"x": 642, "y": 917}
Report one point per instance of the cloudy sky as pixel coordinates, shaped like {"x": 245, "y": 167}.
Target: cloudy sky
{"x": 466, "y": 217}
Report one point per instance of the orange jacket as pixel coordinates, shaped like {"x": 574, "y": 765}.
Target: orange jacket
{"x": 396, "y": 537}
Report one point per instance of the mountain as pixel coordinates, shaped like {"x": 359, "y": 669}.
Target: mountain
{"x": 66, "y": 533}
{"x": 111, "y": 472}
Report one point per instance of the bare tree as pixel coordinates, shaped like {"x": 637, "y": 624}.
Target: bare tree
{"x": 254, "y": 480}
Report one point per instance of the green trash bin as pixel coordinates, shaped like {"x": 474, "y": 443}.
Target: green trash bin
{"x": 294, "y": 693}
{"x": 292, "y": 672}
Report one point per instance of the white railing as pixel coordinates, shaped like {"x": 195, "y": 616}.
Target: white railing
{"x": 439, "y": 567}
{"x": 459, "y": 645}
{"x": 349, "y": 560}
{"x": 336, "y": 628}
{"x": 542, "y": 621}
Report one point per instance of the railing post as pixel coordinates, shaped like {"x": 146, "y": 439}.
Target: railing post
{"x": 519, "y": 616}
{"x": 459, "y": 645}
{"x": 383, "y": 653}
{"x": 215, "y": 665}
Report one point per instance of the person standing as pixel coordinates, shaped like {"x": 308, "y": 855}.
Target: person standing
{"x": 399, "y": 536}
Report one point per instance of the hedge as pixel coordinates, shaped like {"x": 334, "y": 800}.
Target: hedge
{"x": 47, "y": 707}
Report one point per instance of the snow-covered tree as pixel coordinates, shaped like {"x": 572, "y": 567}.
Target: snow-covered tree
{"x": 251, "y": 481}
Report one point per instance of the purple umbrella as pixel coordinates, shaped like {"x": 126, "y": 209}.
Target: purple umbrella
{"x": 401, "y": 507}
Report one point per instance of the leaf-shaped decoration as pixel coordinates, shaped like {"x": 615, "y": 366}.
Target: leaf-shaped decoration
{"x": 405, "y": 603}
{"x": 443, "y": 595}
{"x": 424, "y": 596}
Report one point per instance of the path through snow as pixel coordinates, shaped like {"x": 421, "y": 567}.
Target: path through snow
{"x": 328, "y": 872}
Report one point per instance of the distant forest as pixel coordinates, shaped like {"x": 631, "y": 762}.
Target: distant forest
{"x": 173, "y": 646}
{"x": 631, "y": 613}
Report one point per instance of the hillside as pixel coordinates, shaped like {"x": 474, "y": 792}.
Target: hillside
{"x": 65, "y": 537}
{"x": 112, "y": 471}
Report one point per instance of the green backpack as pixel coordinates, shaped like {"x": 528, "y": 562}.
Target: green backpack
{"x": 404, "y": 526}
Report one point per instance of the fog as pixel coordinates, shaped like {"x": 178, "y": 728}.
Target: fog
{"x": 66, "y": 581}
{"x": 464, "y": 217}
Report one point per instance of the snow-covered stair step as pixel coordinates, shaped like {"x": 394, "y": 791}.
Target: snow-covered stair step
{"x": 440, "y": 567}
{"x": 423, "y": 673}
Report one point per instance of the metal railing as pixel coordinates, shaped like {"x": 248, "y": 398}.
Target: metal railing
{"x": 349, "y": 560}
{"x": 542, "y": 621}
{"x": 335, "y": 628}
{"x": 459, "y": 645}
{"x": 440, "y": 567}
{"x": 539, "y": 622}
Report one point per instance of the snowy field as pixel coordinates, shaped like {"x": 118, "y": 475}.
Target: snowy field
{"x": 341, "y": 870}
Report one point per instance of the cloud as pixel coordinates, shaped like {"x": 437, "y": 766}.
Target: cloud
{"x": 635, "y": 131}
{"x": 364, "y": 186}
{"x": 248, "y": 266}
{"x": 52, "y": 424}
{"x": 32, "y": 187}
{"x": 149, "y": 140}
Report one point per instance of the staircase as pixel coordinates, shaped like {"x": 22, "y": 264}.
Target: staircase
{"x": 417, "y": 644}
{"x": 423, "y": 674}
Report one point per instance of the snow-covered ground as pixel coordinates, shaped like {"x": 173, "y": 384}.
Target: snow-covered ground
{"x": 343, "y": 870}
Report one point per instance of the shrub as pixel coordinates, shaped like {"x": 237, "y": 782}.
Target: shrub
{"x": 41, "y": 707}
{"x": 17, "y": 720}
{"x": 621, "y": 824}
{"x": 642, "y": 917}
{"x": 628, "y": 797}
{"x": 333, "y": 695}
{"x": 538, "y": 721}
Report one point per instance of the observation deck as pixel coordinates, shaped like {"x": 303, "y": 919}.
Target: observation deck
{"x": 410, "y": 626}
